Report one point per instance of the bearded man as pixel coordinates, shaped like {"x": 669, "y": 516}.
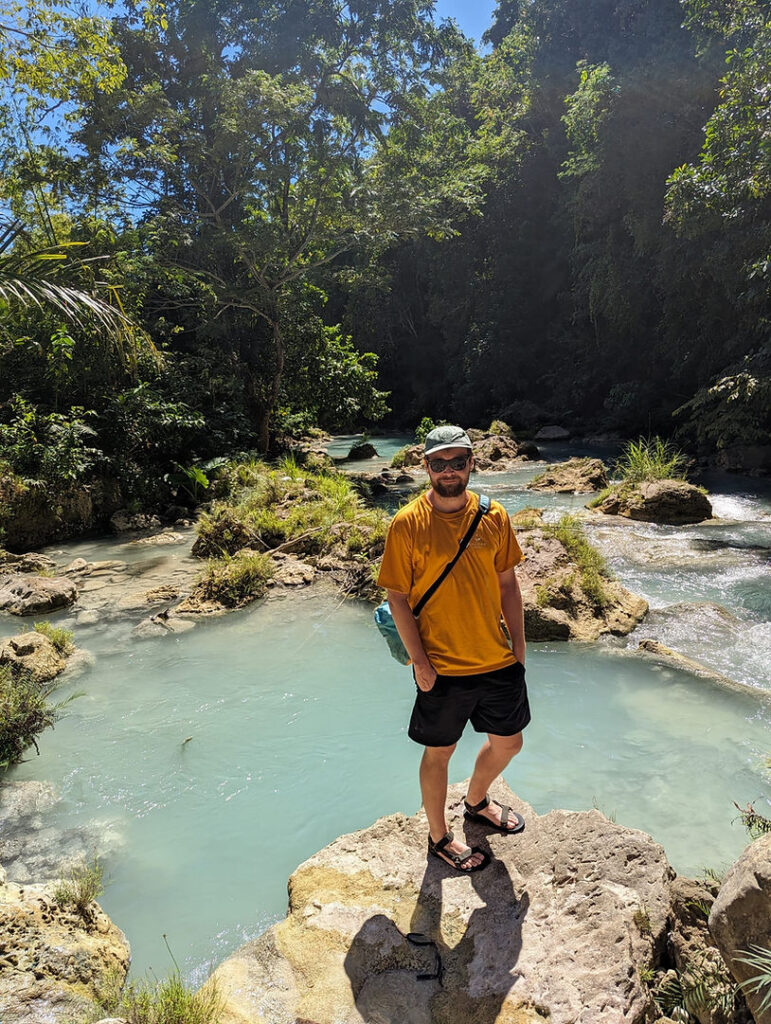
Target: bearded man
{"x": 464, "y": 669}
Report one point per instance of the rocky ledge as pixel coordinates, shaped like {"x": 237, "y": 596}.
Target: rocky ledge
{"x": 54, "y": 962}
{"x": 576, "y": 476}
{"x": 496, "y": 452}
{"x": 575, "y": 921}
{"x": 672, "y": 502}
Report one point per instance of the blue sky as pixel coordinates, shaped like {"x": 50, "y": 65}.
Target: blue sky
{"x": 473, "y": 16}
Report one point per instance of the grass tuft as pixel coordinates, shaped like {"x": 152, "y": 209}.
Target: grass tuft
{"x": 651, "y": 459}
{"x": 592, "y": 567}
{"x": 235, "y": 580}
{"x": 170, "y": 1001}
{"x": 25, "y": 711}
{"x": 62, "y": 639}
{"x": 759, "y": 958}
{"x": 83, "y": 885}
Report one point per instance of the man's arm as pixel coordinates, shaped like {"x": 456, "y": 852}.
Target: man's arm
{"x": 425, "y": 674}
{"x": 513, "y": 612}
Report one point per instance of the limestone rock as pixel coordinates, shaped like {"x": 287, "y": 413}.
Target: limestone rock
{"x": 22, "y": 594}
{"x": 162, "y": 539}
{"x": 572, "y": 477}
{"x": 124, "y": 521}
{"x": 32, "y": 561}
{"x": 411, "y": 456}
{"x": 38, "y": 513}
{"x": 547, "y": 932}
{"x": 741, "y": 915}
{"x": 33, "y": 654}
{"x": 694, "y": 952}
{"x": 552, "y": 433}
{"x": 291, "y": 572}
{"x": 498, "y": 452}
{"x": 672, "y": 502}
{"x": 556, "y": 605}
{"x": 364, "y": 450}
{"x": 53, "y": 964}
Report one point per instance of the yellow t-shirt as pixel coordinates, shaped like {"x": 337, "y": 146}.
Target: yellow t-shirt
{"x": 460, "y": 625}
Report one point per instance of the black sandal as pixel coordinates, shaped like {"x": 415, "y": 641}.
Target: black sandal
{"x": 472, "y": 813}
{"x": 454, "y": 860}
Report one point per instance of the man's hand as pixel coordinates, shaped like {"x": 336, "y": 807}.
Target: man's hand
{"x": 425, "y": 675}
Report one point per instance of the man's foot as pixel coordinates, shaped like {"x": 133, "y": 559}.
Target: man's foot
{"x": 458, "y": 856}
{"x": 490, "y": 812}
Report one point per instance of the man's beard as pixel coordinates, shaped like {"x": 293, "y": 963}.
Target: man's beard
{"x": 450, "y": 489}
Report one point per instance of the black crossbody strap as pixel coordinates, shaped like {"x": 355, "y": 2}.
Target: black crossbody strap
{"x": 484, "y": 508}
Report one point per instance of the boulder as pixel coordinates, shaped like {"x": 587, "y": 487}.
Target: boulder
{"x": 550, "y": 931}
{"x": 552, "y": 433}
{"x": 741, "y": 916}
{"x": 672, "y": 502}
{"x": 364, "y": 450}
{"x": 499, "y": 452}
{"x": 54, "y": 965}
{"x": 22, "y": 594}
{"x": 32, "y": 654}
{"x": 572, "y": 477}
{"x": 557, "y": 604}
{"x": 412, "y": 455}
{"x": 37, "y": 513}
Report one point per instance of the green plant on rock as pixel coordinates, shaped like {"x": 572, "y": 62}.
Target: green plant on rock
{"x": 170, "y": 1001}
{"x": 397, "y": 461}
{"x": 61, "y": 638}
{"x": 25, "y": 711}
{"x": 651, "y": 459}
{"x": 642, "y": 920}
{"x": 592, "y": 567}
{"x": 759, "y": 958}
{"x": 82, "y": 886}
{"x": 235, "y": 580}
{"x": 756, "y": 824}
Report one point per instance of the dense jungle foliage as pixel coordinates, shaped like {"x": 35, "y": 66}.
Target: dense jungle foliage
{"x": 227, "y": 222}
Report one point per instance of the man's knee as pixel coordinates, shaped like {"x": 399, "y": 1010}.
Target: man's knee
{"x": 506, "y": 745}
{"x": 438, "y": 755}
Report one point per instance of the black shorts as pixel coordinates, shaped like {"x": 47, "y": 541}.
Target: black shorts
{"x": 494, "y": 702}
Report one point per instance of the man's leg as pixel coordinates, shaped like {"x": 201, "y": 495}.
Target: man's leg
{"x": 433, "y": 788}
{"x": 495, "y": 754}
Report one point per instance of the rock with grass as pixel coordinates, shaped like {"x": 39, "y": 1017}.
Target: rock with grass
{"x": 33, "y": 655}
{"x": 23, "y": 594}
{"x": 671, "y": 502}
{"x": 575, "y": 476}
{"x": 557, "y": 928}
{"x": 740, "y": 921}
{"x": 567, "y": 589}
{"x": 55, "y": 962}
{"x": 362, "y": 450}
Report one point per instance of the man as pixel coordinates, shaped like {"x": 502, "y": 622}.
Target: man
{"x": 463, "y": 666}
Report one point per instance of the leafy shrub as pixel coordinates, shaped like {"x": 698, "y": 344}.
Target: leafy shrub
{"x": 83, "y": 885}
{"x": 221, "y": 532}
{"x": 48, "y": 446}
{"x": 734, "y": 409}
{"x": 651, "y": 459}
{"x": 423, "y": 429}
{"x": 236, "y": 580}
{"x": 24, "y": 713}
{"x": 759, "y": 958}
{"x": 62, "y": 639}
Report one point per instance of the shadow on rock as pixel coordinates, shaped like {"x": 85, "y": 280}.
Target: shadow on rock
{"x": 460, "y": 966}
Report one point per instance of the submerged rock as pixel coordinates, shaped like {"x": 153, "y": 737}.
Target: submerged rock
{"x": 54, "y": 963}
{"x": 741, "y": 916}
{"x": 556, "y": 928}
{"x": 673, "y": 502}
{"x": 31, "y": 561}
{"x": 22, "y": 594}
{"x": 572, "y": 477}
{"x": 552, "y": 433}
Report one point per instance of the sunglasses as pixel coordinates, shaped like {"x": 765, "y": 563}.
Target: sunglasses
{"x": 440, "y": 465}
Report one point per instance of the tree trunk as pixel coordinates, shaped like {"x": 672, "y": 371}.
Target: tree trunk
{"x": 265, "y": 406}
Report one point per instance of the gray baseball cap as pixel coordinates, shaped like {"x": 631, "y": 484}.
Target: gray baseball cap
{"x": 445, "y": 437}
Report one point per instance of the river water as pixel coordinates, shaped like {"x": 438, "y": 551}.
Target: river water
{"x": 217, "y": 760}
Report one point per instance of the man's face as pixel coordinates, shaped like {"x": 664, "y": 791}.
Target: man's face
{"x": 448, "y": 482}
